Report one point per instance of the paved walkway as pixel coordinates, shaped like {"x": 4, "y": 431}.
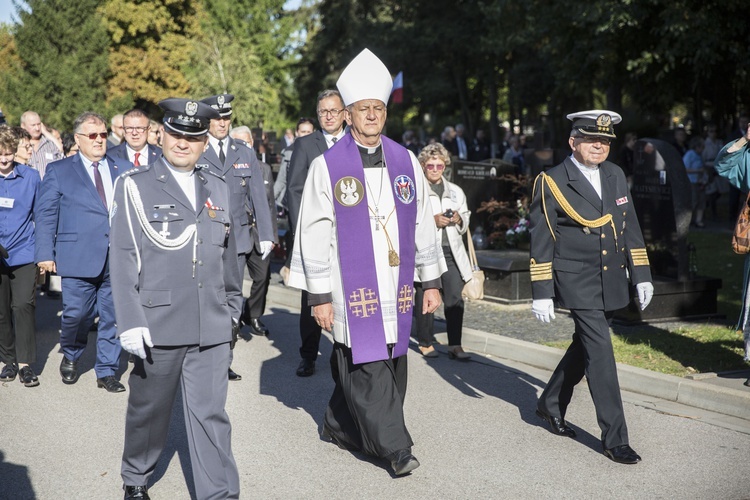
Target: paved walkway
{"x": 473, "y": 424}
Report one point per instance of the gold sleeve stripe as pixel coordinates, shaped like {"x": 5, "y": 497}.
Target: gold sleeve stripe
{"x": 540, "y": 272}
{"x": 639, "y": 257}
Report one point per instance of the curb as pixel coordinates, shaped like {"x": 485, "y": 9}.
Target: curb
{"x": 639, "y": 380}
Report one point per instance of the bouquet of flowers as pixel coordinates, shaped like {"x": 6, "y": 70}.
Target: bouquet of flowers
{"x": 518, "y": 234}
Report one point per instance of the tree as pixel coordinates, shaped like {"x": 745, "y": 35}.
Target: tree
{"x": 150, "y": 46}
{"x": 62, "y": 57}
{"x": 243, "y": 50}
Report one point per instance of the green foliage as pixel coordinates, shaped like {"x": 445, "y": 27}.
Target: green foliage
{"x": 62, "y": 62}
{"x": 242, "y": 49}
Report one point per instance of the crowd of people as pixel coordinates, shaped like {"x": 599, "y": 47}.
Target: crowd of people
{"x": 375, "y": 243}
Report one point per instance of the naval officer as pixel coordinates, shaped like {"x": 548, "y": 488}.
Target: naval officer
{"x": 586, "y": 247}
{"x": 177, "y": 295}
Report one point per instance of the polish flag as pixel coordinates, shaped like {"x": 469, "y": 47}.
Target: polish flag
{"x": 398, "y": 88}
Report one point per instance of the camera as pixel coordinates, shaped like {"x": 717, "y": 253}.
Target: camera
{"x": 448, "y": 213}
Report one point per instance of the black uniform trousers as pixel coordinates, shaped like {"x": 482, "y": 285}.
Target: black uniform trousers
{"x": 259, "y": 271}
{"x": 309, "y": 330}
{"x": 590, "y": 354}
{"x": 366, "y": 410}
{"x": 453, "y": 304}
{"x": 201, "y": 374}
{"x": 18, "y": 313}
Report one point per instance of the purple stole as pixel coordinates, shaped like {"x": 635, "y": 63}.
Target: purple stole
{"x": 356, "y": 254}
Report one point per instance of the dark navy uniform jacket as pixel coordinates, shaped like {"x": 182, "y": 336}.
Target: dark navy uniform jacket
{"x": 585, "y": 267}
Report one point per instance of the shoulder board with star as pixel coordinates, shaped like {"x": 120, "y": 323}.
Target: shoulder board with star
{"x": 135, "y": 170}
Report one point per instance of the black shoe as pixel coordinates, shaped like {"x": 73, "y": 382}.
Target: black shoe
{"x": 557, "y": 425}
{"x": 9, "y": 373}
{"x": 622, "y": 454}
{"x": 136, "y": 493}
{"x": 234, "y": 376}
{"x": 403, "y": 462}
{"x": 306, "y": 368}
{"x": 28, "y": 377}
{"x": 747, "y": 382}
{"x": 257, "y": 327}
{"x": 111, "y": 384}
{"x": 69, "y": 371}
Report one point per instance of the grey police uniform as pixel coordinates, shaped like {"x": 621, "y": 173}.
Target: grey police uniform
{"x": 244, "y": 176}
{"x": 187, "y": 296}
{"x": 584, "y": 251}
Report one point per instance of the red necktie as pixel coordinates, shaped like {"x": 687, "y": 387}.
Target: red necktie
{"x": 99, "y": 183}
{"x": 137, "y": 162}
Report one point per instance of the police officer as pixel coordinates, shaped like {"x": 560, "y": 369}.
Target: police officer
{"x": 586, "y": 245}
{"x": 177, "y": 295}
{"x": 237, "y": 163}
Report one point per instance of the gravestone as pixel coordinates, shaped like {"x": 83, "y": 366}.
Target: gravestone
{"x": 481, "y": 181}
{"x": 661, "y": 195}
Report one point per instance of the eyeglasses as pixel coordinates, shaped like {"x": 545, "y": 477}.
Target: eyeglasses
{"x": 593, "y": 140}
{"x": 26, "y": 145}
{"x": 435, "y": 166}
{"x": 140, "y": 130}
{"x": 93, "y": 136}
{"x": 333, "y": 112}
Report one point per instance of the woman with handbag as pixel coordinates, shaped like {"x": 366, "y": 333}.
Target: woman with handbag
{"x": 733, "y": 163}
{"x": 452, "y": 220}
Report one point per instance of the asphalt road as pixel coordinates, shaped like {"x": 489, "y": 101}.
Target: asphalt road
{"x": 473, "y": 424}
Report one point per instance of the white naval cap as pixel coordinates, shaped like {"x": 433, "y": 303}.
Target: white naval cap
{"x": 595, "y": 122}
{"x": 366, "y": 77}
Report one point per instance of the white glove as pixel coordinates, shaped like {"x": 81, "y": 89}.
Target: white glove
{"x": 132, "y": 341}
{"x": 645, "y": 292}
{"x": 265, "y": 249}
{"x": 543, "y": 309}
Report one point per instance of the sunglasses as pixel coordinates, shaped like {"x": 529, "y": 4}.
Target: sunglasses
{"x": 93, "y": 136}
{"x": 432, "y": 166}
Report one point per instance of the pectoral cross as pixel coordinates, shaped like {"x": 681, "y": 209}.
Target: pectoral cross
{"x": 164, "y": 232}
{"x": 377, "y": 218}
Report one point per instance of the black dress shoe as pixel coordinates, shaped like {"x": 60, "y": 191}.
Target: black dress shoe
{"x": 234, "y": 376}
{"x": 556, "y": 425}
{"x": 622, "y": 454}
{"x": 9, "y": 373}
{"x": 27, "y": 377}
{"x": 403, "y": 462}
{"x": 306, "y": 368}
{"x": 136, "y": 493}
{"x": 111, "y": 384}
{"x": 257, "y": 327}
{"x": 69, "y": 371}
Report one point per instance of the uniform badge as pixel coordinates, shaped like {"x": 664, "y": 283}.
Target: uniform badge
{"x": 349, "y": 191}
{"x": 211, "y": 213}
{"x": 621, "y": 201}
{"x": 403, "y": 186}
{"x": 191, "y": 108}
{"x": 220, "y": 100}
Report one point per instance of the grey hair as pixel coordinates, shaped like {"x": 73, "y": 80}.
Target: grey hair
{"x": 88, "y": 116}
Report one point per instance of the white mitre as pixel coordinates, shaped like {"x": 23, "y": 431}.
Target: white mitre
{"x": 366, "y": 77}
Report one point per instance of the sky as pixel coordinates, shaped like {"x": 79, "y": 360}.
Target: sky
{"x": 6, "y": 11}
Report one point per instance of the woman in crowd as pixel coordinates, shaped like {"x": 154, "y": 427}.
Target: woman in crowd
{"x": 733, "y": 163}
{"x": 452, "y": 220}
{"x": 25, "y": 148}
{"x": 19, "y": 187}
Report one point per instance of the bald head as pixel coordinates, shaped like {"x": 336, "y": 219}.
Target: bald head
{"x": 32, "y": 124}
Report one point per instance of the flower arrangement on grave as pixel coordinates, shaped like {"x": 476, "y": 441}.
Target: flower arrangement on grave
{"x": 507, "y": 221}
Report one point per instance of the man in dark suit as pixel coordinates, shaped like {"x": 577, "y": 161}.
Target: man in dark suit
{"x": 586, "y": 245}
{"x": 331, "y": 117}
{"x": 136, "y": 148}
{"x": 178, "y": 295}
{"x": 72, "y": 239}
{"x": 236, "y": 162}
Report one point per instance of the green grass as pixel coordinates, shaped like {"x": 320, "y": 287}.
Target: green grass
{"x": 687, "y": 348}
